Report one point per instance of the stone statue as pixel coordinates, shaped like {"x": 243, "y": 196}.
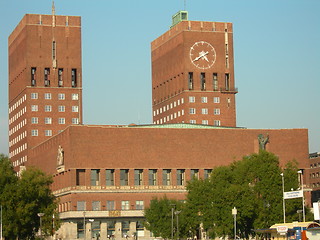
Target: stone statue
{"x": 263, "y": 141}
{"x": 60, "y": 156}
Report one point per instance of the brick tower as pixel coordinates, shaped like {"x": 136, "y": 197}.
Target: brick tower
{"x": 193, "y": 73}
{"x": 45, "y": 85}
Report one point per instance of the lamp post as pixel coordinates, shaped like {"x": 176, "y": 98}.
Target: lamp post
{"x": 40, "y": 215}
{"x": 84, "y": 225}
{"x": 283, "y": 203}
{"x": 234, "y": 213}
{"x": 301, "y": 182}
{"x": 172, "y": 211}
{"x": 92, "y": 234}
{"x": 177, "y": 214}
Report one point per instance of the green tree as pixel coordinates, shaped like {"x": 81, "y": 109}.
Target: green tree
{"x": 23, "y": 198}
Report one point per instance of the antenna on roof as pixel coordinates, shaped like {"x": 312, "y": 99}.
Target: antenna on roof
{"x": 185, "y": 5}
{"x": 53, "y": 9}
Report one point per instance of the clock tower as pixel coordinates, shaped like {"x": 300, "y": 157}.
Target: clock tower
{"x": 193, "y": 73}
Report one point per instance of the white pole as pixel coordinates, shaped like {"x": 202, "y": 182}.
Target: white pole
{"x": 303, "y": 212}
{"x": 234, "y": 213}
{"x": 283, "y": 203}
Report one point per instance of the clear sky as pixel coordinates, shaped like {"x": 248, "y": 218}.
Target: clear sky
{"x": 276, "y": 44}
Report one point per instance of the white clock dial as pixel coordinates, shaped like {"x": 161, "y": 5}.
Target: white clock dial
{"x": 202, "y": 55}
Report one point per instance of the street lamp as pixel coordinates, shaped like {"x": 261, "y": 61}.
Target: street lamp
{"x": 234, "y": 213}
{"x": 283, "y": 203}
{"x": 84, "y": 225}
{"x": 177, "y": 214}
{"x": 303, "y": 212}
{"x": 172, "y": 210}
{"x": 40, "y": 215}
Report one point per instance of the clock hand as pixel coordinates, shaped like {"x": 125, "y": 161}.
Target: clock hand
{"x": 202, "y": 55}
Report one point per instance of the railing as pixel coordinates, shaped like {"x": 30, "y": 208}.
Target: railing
{"x": 228, "y": 90}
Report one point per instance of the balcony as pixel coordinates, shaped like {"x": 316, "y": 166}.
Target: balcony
{"x": 228, "y": 90}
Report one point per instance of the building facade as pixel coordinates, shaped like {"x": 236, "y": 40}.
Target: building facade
{"x": 45, "y": 81}
{"x": 193, "y": 65}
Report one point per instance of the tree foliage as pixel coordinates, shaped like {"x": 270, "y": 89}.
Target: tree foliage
{"x": 22, "y": 199}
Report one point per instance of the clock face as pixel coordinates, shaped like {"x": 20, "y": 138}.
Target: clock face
{"x": 202, "y": 55}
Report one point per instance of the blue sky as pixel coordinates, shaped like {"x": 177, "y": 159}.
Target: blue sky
{"x": 277, "y": 57}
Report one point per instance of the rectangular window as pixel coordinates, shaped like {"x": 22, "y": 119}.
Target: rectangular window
{"x": 47, "y": 77}
{"x": 192, "y": 99}
{"x": 75, "y": 120}
{"x": 95, "y": 229}
{"x": 61, "y": 108}
{"x": 80, "y": 177}
{"x": 48, "y": 133}
{"x": 47, "y": 96}
{"x": 125, "y": 229}
{"x": 139, "y": 205}
{"x": 203, "y": 81}
{"x": 166, "y": 177}
{"x": 124, "y": 177}
{"x": 215, "y": 81}
{"x": 204, "y": 110}
{"x": 34, "y": 132}
{"x": 74, "y": 96}
{"x": 192, "y": 110}
{"x": 75, "y": 109}
{"x": 152, "y": 177}
{"x": 190, "y": 80}
{"x": 180, "y": 177}
{"x": 205, "y": 122}
{"x": 110, "y": 177}
{"x": 81, "y": 205}
{"x": 47, "y": 108}
{"x": 61, "y": 96}
{"x": 34, "y": 95}
{"x": 227, "y": 82}
{"x": 33, "y": 76}
{"x": 193, "y": 121}
{"x": 53, "y": 50}
{"x": 48, "y": 120}
{"x": 60, "y": 77}
{"x": 125, "y": 205}
{"x": 216, "y": 111}
{"x": 138, "y": 177}
{"x": 111, "y": 229}
{"x": 34, "y": 120}
{"x": 204, "y": 99}
{"x": 195, "y": 173}
{"x": 34, "y": 108}
{"x": 207, "y": 173}
{"x": 95, "y": 177}
{"x": 80, "y": 229}
{"x": 61, "y": 120}
{"x": 96, "y": 206}
{"x": 74, "y": 77}
{"x": 216, "y": 122}
{"x": 110, "y": 205}
{"x": 216, "y": 100}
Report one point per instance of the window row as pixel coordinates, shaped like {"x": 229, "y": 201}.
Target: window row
{"x": 47, "y": 132}
{"x": 17, "y": 115}
{"x": 314, "y": 175}
{"x": 35, "y": 77}
{"x": 314, "y": 165}
{"x": 48, "y": 108}
{"x": 61, "y": 96}
{"x": 17, "y": 127}
{"x": 48, "y": 120}
{"x": 110, "y": 205}
{"x": 19, "y": 161}
{"x": 170, "y": 117}
{"x": 155, "y": 177}
{"x": 192, "y": 99}
{"x": 17, "y": 103}
{"x": 206, "y": 122}
{"x": 18, "y": 150}
{"x": 168, "y": 106}
{"x": 18, "y": 138}
{"x": 216, "y": 111}
{"x": 214, "y": 79}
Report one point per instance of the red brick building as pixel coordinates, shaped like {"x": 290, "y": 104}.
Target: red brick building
{"x": 105, "y": 176}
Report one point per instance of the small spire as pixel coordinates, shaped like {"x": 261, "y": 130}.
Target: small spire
{"x": 53, "y": 9}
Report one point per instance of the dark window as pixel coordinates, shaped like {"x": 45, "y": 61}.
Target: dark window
{"x": 110, "y": 205}
{"x": 47, "y": 77}
{"x": 80, "y": 177}
{"x": 33, "y": 76}
{"x": 60, "y": 77}
{"x": 125, "y": 228}
{"x": 111, "y": 228}
{"x": 95, "y": 177}
{"x": 166, "y": 177}
{"x": 153, "y": 177}
{"x": 124, "y": 177}
{"x": 110, "y": 177}
{"x": 227, "y": 81}
{"x": 80, "y": 229}
{"x": 207, "y": 173}
{"x": 95, "y": 229}
{"x": 195, "y": 173}
{"x": 74, "y": 77}
{"x": 180, "y": 177}
{"x": 215, "y": 81}
{"x": 54, "y": 50}
{"x": 190, "y": 80}
{"x": 203, "y": 81}
{"x": 138, "y": 177}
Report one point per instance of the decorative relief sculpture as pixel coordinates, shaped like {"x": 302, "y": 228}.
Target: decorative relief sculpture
{"x": 263, "y": 141}
{"x": 60, "y": 156}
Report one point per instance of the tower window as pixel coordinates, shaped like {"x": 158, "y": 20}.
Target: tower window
{"x": 138, "y": 177}
{"x": 74, "y": 77}
{"x": 33, "y": 76}
{"x": 124, "y": 177}
{"x": 60, "y": 75}
{"x": 227, "y": 81}
{"x": 190, "y": 80}
{"x": 47, "y": 77}
{"x": 166, "y": 177}
{"x": 180, "y": 177}
{"x": 203, "y": 81}
{"x": 215, "y": 81}
{"x": 110, "y": 177}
